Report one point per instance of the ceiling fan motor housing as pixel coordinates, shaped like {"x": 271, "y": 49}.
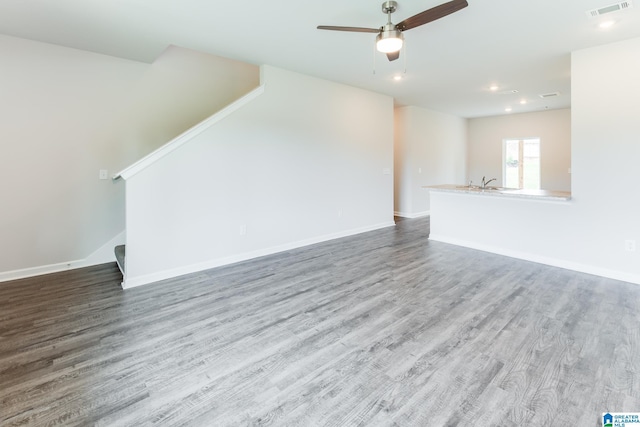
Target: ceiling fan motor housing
{"x": 390, "y": 39}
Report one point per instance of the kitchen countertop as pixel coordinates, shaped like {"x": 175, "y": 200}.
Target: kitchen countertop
{"x": 502, "y": 192}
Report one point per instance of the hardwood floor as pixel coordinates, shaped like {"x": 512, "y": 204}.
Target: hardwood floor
{"x": 380, "y": 329}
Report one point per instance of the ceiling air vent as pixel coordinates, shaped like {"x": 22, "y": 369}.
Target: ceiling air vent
{"x": 549, "y": 95}
{"x": 611, "y": 8}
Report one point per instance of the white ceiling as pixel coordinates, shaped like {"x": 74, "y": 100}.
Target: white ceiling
{"x": 519, "y": 45}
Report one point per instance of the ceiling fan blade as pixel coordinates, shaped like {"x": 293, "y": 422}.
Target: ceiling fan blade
{"x": 432, "y": 14}
{"x": 352, "y": 29}
{"x": 392, "y": 56}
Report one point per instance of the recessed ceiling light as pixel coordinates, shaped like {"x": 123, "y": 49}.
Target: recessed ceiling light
{"x": 523, "y": 101}
{"x": 397, "y": 78}
{"x": 508, "y": 109}
{"x": 604, "y": 25}
{"x": 493, "y": 88}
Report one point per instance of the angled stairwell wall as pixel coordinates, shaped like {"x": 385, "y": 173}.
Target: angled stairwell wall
{"x": 307, "y": 160}
{"x": 68, "y": 113}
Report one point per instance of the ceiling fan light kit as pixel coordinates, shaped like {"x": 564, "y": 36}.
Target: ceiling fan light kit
{"x": 390, "y": 38}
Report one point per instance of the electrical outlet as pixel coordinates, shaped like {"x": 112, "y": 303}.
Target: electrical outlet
{"x": 419, "y": 170}
{"x": 243, "y": 230}
{"x": 386, "y": 171}
{"x": 339, "y": 213}
{"x": 630, "y": 245}
{"x": 103, "y": 174}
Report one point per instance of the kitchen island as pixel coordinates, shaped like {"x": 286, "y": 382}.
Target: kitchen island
{"x": 523, "y": 224}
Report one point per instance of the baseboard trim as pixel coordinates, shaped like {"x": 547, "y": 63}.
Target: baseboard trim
{"x": 219, "y": 262}
{"x": 554, "y": 262}
{"x": 24, "y": 273}
{"x": 412, "y": 215}
{"x": 103, "y": 255}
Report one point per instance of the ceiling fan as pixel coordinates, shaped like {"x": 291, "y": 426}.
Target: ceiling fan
{"x": 390, "y": 38}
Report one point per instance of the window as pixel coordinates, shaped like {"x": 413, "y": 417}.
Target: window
{"x": 521, "y": 158}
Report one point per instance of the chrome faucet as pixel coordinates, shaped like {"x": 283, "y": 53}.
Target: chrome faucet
{"x": 485, "y": 183}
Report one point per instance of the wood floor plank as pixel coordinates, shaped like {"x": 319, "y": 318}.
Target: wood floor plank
{"x": 385, "y": 328}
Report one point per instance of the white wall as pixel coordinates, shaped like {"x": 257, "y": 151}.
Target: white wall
{"x": 429, "y": 149}
{"x": 589, "y": 232}
{"x": 606, "y": 149}
{"x": 304, "y": 162}
{"x": 65, "y": 114}
{"x": 552, "y": 127}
